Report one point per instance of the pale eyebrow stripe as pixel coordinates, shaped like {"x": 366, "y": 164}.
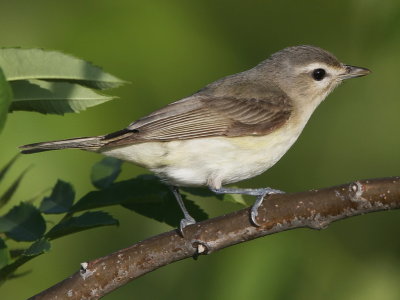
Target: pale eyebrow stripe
{"x": 313, "y": 66}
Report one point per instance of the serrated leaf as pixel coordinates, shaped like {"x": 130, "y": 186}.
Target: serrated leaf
{"x": 5, "y": 98}
{"x": 21, "y": 64}
{"x": 53, "y": 97}
{"x": 105, "y": 172}
{"x": 60, "y": 200}
{"x": 39, "y": 247}
{"x": 5, "y": 169}
{"x": 5, "y": 258}
{"x": 85, "y": 221}
{"x": 23, "y": 223}
{"x": 145, "y": 195}
{"x": 11, "y": 190}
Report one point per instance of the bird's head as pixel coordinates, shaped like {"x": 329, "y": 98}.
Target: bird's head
{"x": 307, "y": 73}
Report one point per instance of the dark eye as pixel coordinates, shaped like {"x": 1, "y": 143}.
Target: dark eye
{"x": 318, "y": 74}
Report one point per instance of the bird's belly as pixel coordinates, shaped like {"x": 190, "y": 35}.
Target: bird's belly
{"x": 213, "y": 161}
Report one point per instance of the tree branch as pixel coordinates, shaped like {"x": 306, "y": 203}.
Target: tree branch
{"x": 314, "y": 209}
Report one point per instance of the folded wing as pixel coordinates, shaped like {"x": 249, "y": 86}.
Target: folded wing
{"x": 207, "y": 116}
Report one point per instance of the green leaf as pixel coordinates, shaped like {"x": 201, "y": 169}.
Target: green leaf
{"x": 22, "y": 274}
{"x": 21, "y": 64}
{"x": 145, "y": 187}
{"x": 60, "y": 200}
{"x": 85, "y": 221}
{"x": 23, "y": 223}
{"x": 206, "y": 193}
{"x": 115, "y": 194}
{"x": 145, "y": 195}
{"x": 14, "y": 253}
{"x": 105, "y": 172}
{"x": 234, "y": 198}
{"x": 5, "y": 169}
{"x": 39, "y": 247}
{"x": 11, "y": 190}
{"x": 5, "y": 99}
{"x": 7, "y": 272}
{"x": 165, "y": 209}
{"x": 53, "y": 97}
{"x": 5, "y": 258}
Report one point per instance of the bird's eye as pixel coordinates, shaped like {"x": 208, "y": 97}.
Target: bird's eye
{"x": 318, "y": 74}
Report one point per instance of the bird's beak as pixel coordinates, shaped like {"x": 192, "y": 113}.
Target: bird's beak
{"x": 352, "y": 72}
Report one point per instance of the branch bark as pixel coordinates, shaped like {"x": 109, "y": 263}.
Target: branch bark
{"x": 314, "y": 209}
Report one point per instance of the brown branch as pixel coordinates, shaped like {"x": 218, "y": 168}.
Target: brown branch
{"x": 313, "y": 209}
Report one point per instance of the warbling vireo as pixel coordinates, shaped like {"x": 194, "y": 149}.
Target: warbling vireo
{"x": 233, "y": 129}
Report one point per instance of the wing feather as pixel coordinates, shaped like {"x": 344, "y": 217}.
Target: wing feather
{"x": 207, "y": 116}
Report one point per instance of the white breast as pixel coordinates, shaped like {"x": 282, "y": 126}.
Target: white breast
{"x": 211, "y": 161}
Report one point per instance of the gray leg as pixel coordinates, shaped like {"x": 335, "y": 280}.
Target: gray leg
{"x": 260, "y": 193}
{"x": 187, "y": 220}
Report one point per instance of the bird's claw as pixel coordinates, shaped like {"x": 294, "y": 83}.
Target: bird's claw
{"x": 188, "y": 220}
{"x": 258, "y": 202}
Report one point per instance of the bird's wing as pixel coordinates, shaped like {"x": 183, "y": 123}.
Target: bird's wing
{"x": 201, "y": 116}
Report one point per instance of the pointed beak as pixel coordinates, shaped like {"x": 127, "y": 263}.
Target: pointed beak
{"x": 352, "y": 72}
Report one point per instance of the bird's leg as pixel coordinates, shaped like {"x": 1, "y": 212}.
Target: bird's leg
{"x": 188, "y": 219}
{"x": 260, "y": 193}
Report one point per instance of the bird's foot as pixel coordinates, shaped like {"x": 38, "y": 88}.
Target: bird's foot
{"x": 188, "y": 220}
{"x": 261, "y": 193}
{"x": 259, "y": 200}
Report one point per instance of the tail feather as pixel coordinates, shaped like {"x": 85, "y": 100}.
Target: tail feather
{"x": 85, "y": 143}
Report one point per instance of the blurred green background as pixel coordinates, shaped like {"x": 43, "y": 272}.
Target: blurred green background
{"x": 170, "y": 49}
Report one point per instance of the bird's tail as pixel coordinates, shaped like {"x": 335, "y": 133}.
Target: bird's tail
{"x": 85, "y": 143}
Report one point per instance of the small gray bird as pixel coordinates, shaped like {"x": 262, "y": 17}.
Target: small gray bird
{"x": 233, "y": 129}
